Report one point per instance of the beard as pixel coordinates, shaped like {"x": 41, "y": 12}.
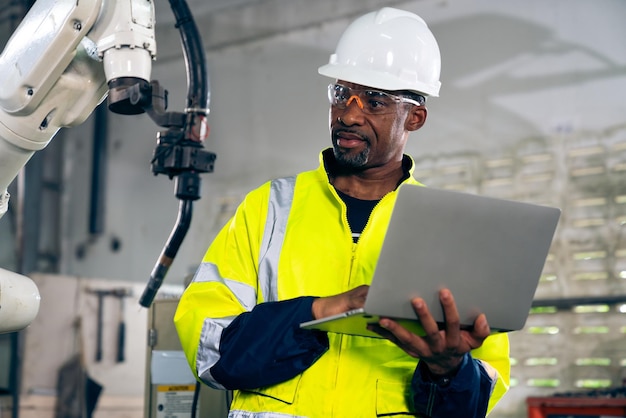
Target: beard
{"x": 349, "y": 160}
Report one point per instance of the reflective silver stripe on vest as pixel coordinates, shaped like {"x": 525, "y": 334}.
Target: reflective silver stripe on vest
{"x": 209, "y": 348}
{"x": 246, "y": 414}
{"x": 279, "y": 205}
{"x": 245, "y": 294}
{"x": 281, "y": 198}
{"x": 211, "y": 334}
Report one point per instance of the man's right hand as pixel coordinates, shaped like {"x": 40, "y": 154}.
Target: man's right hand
{"x": 334, "y": 305}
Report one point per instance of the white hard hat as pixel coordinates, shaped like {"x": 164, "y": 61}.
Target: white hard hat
{"x": 389, "y": 49}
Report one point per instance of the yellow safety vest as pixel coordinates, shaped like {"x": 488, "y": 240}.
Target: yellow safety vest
{"x": 289, "y": 238}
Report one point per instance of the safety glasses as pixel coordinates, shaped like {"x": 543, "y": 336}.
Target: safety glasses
{"x": 372, "y": 102}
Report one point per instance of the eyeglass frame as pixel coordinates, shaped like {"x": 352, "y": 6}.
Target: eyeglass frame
{"x": 359, "y": 100}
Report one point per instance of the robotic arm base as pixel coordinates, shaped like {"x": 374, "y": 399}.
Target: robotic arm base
{"x": 19, "y": 301}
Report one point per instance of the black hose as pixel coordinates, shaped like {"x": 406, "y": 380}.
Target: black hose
{"x": 98, "y": 172}
{"x": 185, "y": 209}
{"x": 187, "y": 182}
{"x": 198, "y": 84}
{"x": 194, "y": 402}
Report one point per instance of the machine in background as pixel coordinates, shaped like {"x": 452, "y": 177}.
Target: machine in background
{"x": 170, "y": 384}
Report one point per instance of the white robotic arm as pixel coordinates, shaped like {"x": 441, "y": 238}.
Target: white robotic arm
{"x": 55, "y": 69}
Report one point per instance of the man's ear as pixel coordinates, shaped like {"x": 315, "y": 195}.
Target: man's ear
{"x": 416, "y": 118}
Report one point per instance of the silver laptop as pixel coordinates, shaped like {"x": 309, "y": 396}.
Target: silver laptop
{"x": 489, "y": 252}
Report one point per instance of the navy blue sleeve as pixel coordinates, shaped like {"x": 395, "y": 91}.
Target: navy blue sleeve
{"x": 266, "y": 345}
{"x": 465, "y": 395}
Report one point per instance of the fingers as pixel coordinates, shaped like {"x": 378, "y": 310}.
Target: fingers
{"x": 441, "y": 349}
{"x": 332, "y": 305}
{"x": 358, "y": 295}
{"x": 412, "y": 344}
{"x": 355, "y": 298}
{"x": 421, "y": 346}
{"x": 481, "y": 328}
{"x": 454, "y": 334}
{"x": 451, "y": 314}
{"x": 430, "y": 326}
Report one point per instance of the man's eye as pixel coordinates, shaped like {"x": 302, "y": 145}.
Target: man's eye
{"x": 378, "y": 98}
{"x": 341, "y": 94}
{"x": 376, "y": 104}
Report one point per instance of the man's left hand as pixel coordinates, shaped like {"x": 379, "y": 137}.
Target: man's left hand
{"x": 441, "y": 350}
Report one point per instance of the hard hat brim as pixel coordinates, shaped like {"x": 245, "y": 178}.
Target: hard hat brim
{"x": 376, "y": 79}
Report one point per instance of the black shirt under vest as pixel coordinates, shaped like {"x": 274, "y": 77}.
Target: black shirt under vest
{"x": 358, "y": 213}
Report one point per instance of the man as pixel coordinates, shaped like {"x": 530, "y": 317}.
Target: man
{"x": 305, "y": 247}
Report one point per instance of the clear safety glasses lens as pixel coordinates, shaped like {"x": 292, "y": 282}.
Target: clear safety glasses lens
{"x": 373, "y": 102}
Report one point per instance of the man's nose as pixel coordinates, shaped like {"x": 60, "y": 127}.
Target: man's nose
{"x": 352, "y": 115}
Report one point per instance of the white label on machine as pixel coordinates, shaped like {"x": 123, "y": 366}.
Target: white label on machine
{"x": 174, "y": 401}
{"x": 170, "y": 367}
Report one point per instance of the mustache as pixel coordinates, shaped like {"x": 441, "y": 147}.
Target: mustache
{"x": 349, "y": 132}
